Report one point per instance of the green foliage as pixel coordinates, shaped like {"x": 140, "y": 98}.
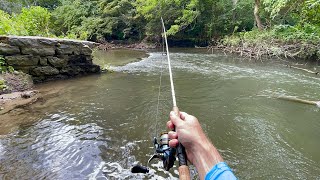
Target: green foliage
{"x": 4, "y": 67}
{"x": 78, "y": 19}
{"x": 33, "y": 21}
{"x": 204, "y": 19}
{"x": 2, "y": 85}
{"x": 98, "y": 20}
{"x": 6, "y": 23}
{"x": 177, "y": 14}
{"x": 9, "y": 26}
{"x": 285, "y": 34}
{"x": 133, "y": 20}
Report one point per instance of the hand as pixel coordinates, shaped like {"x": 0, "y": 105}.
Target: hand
{"x": 199, "y": 149}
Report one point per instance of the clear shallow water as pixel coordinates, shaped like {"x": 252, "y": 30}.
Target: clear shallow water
{"x": 100, "y": 125}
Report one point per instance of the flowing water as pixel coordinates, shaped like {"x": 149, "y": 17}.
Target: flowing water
{"x": 99, "y": 126}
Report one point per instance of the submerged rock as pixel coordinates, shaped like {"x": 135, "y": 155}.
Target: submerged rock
{"x": 29, "y": 94}
{"x": 45, "y": 70}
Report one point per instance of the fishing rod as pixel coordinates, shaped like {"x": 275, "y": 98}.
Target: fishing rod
{"x": 162, "y": 150}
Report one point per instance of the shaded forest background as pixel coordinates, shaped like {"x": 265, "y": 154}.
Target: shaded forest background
{"x": 232, "y": 23}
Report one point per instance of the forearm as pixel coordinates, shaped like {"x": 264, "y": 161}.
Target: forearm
{"x": 207, "y": 156}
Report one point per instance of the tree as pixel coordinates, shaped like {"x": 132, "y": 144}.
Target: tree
{"x": 35, "y": 20}
{"x": 256, "y": 14}
{"x": 7, "y": 26}
{"x": 178, "y": 15}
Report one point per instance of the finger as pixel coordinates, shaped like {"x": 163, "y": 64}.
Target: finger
{"x": 173, "y": 135}
{"x": 173, "y": 143}
{"x": 175, "y": 119}
{"x": 170, "y": 125}
{"x": 183, "y": 115}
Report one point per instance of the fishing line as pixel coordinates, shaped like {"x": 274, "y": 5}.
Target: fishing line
{"x": 159, "y": 91}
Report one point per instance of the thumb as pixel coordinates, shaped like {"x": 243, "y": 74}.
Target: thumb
{"x": 175, "y": 119}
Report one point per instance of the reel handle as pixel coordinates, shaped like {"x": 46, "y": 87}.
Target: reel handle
{"x": 184, "y": 172}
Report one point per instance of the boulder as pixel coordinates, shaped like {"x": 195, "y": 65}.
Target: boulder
{"x": 79, "y": 59}
{"x": 58, "y": 62}
{"x": 30, "y": 41}
{"x": 6, "y": 49}
{"x": 44, "y": 71}
{"x": 91, "y": 68}
{"x": 71, "y": 70}
{"x": 22, "y": 60}
{"x": 86, "y": 50}
{"x": 40, "y": 50}
{"x": 25, "y": 69}
{"x": 43, "y": 61}
{"x": 68, "y": 49}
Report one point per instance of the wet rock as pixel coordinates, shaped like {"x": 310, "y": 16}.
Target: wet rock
{"x": 68, "y": 49}
{"x": 43, "y": 61}
{"x": 24, "y": 69}
{"x": 58, "y": 62}
{"x": 44, "y": 71}
{"x": 22, "y": 60}
{"x": 71, "y": 70}
{"x": 91, "y": 68}
{"x": 79, "y": 59}
{"x": 6, "y": 49}
{"x": 28, "y": 94}
{"x": 86, "y": 50}
{"x": 38, "y": 50}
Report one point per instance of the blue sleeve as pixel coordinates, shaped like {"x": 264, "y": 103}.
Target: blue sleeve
{"x": 220, "y": 171}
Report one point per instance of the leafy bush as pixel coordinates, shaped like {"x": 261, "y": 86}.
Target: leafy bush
{"x": 2, "y": 85}
{"x": 280, "y": 33}
{"x": 4, "y": 67}
{"x": 7, "y": 25}
{"x": 33, "y": 21}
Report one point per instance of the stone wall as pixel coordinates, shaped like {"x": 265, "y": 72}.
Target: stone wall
{"x": 47, "y": 58}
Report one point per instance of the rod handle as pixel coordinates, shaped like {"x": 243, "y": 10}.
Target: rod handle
{"x": 184, "y": 172}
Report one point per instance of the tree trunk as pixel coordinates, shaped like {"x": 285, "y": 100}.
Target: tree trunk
{"x": 256, "y": 14}
{"x": 234, "y": 2}
{"x": 234, "y": 5}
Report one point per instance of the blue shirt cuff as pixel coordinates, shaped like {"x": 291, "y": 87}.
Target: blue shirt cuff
{"x": 220, "y": 171}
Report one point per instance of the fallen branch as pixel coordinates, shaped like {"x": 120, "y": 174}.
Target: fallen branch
{"x": 294, "y": 99}
{"x": 271, "y": 48}
{"x": 306, "y": 70}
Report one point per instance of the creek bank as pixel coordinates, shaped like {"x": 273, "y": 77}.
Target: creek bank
{"x": 21, "y": 108}
{"x": 8, "y": 102}
{"x": 259, "y": 44}
{"x": 121, "y": 45}
{"x": 37, "y": 60}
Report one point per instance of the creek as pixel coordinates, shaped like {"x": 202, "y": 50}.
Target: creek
{"x": 100, "y": 125}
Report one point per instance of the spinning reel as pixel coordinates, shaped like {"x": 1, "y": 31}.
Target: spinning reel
{"x": 163, "y": 152}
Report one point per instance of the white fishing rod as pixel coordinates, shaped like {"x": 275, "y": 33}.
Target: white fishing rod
{"x": 162, "y": 150}
{"x": 184, "y": 172}
{"x": 169, "y": 64}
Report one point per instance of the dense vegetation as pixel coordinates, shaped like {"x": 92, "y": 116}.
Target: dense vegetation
{"x": 231, "y": 23}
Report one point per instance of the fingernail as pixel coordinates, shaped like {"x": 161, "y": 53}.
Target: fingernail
{"x": 172, "y": 113}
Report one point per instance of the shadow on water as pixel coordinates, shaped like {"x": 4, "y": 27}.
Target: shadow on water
{"x": 99, "y": 126}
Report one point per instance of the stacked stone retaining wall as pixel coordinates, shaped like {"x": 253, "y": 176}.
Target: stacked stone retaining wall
{"x": 48, "y": 58}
